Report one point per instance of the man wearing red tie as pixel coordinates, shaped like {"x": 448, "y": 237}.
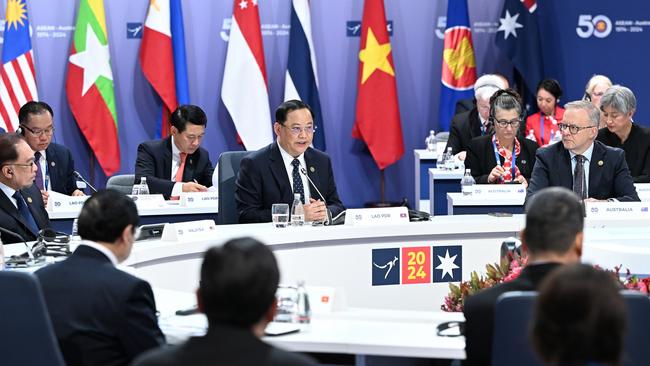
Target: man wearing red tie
{"x": 177, "y": 163}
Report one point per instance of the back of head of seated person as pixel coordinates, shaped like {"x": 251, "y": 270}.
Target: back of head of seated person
{"x": 579, "y": 318}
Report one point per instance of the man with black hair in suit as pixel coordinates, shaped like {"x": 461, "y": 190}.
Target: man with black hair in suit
{"x": 553, "y": 236}
{"x": 177, "y": 163}
{"x": 101, "y": 315}
{"x": 21, "y": 205}
{"x": 276, "y": 172}
{"x": 53, "y": 161}
{"x": 594, "y": 171}
{"x": 237, "y": 294}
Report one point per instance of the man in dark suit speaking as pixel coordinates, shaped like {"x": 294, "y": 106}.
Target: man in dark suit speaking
{"x": 594, "y": 171}
{"x": 101, "y": 314}
{"x": 177, "y": 163}
{"x": 553, "y": 236}
{"x": 21, "y": 205}
{"x": 274, "y": 173}
{"x": 237, "y": 294}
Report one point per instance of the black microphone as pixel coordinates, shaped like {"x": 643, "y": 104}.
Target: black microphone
{"x": 78, "y": 175}
{"x": 327, "y": 211}
{"x": 20, "y": 238}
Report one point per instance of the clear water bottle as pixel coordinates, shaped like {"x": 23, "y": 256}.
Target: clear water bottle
{"x": 442, "y": 160}
{"x": 74, "y": 233}
{"x": 135, "y": 190}
{"x": 297, "y": 211}
{"x": 144, "y": 187}
{"x": 431, "y": 141}
{"x": 531, "y": 135}
{"x": 450, "y": 163}
{"x": 467, "y": 183}
{"x": 304, "y": 311}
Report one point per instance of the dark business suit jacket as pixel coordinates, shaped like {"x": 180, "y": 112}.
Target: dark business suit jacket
{"x": 609, "y": 176}
{"x": 60, "y": 166}
{"x": 10, "y": 219}
{"x": 101, "y": 315}
{"x": 464, "y": 127}
{"x": 263, "y": 181}
{"x": 479, "y": 311}
{"x": 636, "y": 147}
{"x": 154, "y": 161}
{"x": 223, "y": 345}
{"x": 481, "y": 160}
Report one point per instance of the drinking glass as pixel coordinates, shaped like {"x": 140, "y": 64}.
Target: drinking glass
{"x": 280, "y": 214}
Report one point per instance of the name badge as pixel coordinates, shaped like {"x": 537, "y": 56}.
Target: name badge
{"x": 60, "y": 203}
{"x": 189, "y": 231}
{"x": 199, "y": 199}
{"x": 376, "y": 216}
{"x": 148, "y": 201}
{"x": 498, "y": 189}
{"x": 621, "y": 210}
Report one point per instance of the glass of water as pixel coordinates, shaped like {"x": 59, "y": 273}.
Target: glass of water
{"x": 280, "y": 214}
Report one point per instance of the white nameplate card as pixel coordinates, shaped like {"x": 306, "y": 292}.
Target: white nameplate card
{"x": 189, "y": 231}
{"x": 643, "y": 190}
{"x": 199, "y": 199}
{"x": 376, "y": 216}
{"x": 498, "y": 189}
{"x": 60, "y": 203}
{"x": 148, "y": 201}
{"x": 618, "y": 210}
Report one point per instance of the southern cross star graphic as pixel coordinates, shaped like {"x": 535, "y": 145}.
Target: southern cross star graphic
{"x": 509, "y": 25}
{"x": 95, "y": 60}
{"x": 447, "y": 265}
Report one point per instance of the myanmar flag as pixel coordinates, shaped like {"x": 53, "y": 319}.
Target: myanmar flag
{"x": 90, "y": 85}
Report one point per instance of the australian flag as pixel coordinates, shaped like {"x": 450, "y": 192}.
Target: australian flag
{"x": 518, "y": 37}
{"x": 458, "y": 62}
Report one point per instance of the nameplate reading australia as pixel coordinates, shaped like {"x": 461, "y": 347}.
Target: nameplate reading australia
{"x": 199, "y": 199}
{"x": 618, "y": 210}
{"x": 491, "y": 190}
{"x": 643, "y": 190}
{"x": 189, "y": 231}
{"x": 376, "y": 216}
{"x": 60, "y": 203}
{"x": 149, "y": 201}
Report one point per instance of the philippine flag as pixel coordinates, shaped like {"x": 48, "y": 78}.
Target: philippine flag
{"x": 162, "y": 58}
{"x": 458, "y": 63}
{"x": 244, "y": 89}
{"x": 302, "y": 78}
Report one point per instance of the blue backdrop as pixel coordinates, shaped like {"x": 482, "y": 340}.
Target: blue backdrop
{"x": 618, "y": 47}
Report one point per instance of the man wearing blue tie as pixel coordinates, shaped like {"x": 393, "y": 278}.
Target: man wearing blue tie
{"x": 21, "y": 206}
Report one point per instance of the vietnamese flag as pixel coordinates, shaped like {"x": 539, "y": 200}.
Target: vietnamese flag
{"x": 89, "y": 85}
{"x": 377, "y": 119}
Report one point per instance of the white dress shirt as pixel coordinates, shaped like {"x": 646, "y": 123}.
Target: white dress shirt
{"x": 288, "y": 159}
{"x": 176, "y": 164}
{"x": 105, "y": 251}
{"x": 587, "y": 154}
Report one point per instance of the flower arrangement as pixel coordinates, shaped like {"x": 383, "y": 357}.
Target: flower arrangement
{"x": 509, "y": 269}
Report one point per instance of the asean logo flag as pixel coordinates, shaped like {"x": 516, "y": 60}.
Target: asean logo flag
{"x": 458, "y": 63}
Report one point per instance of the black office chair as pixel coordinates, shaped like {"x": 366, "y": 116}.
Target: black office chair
{"x": 227, "y": 169}
{"x": 26, "y": 334}
{"x": 637, "y": 351}
{"x": 122, "y": 183}
{"x": 511, "y": 344}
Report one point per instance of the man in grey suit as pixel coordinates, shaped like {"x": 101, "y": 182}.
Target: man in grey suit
{"x": 594, "y": 171}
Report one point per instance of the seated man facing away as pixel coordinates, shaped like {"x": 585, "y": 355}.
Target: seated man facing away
{"x": 276, "y": 172}
{"x": 580, "y": 318}
{"x": 177, "y": 163}
{"x": 101, "y": 315}
{"x": 553, "y": 236}
{"x": 237, "y": 294}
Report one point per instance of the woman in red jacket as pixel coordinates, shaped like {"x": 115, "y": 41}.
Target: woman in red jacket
{"x": 544, "y": 123}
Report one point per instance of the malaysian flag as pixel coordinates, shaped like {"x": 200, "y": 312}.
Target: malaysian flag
{"x": 18, "y": 76}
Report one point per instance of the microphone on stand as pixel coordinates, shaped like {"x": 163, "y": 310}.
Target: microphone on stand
{"x": 21, "y": 239}
{"x": 327, "y": 211}
{"x": 78, "y": 175}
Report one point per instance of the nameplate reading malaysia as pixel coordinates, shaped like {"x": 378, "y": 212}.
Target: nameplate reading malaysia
{"x": 498, "y": 190}
{"x": 199, "y": 199}
{"x": 60, "y": 203}
{"x": 189, "y": 231}
{"x": 148, "y": 201}
{"x": 376, "y": 216}
{"x": 618, "y": 210}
